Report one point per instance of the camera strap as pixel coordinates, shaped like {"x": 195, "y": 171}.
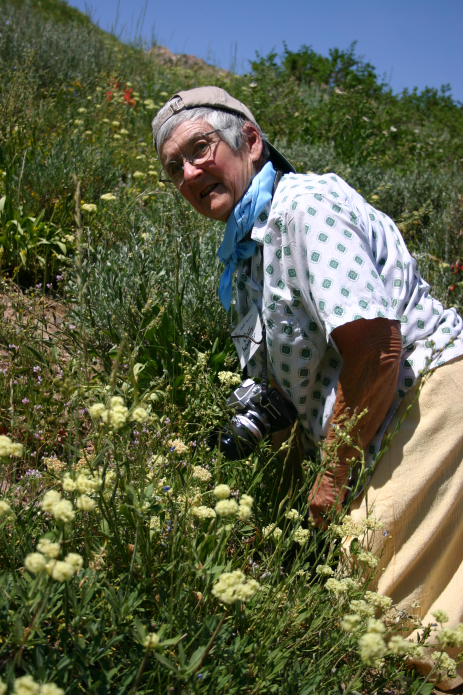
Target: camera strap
{"x": 263, "y": 340}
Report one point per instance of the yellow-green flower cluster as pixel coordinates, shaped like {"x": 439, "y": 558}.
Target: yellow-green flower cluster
{"x": 229, "y": 378}
{"x": 59, "y": 570}
{"x": 5, "y": 508}
{"x": 200, "y": 473}
{"x": 178, "y": 446}
{"x": 445, "y": 665}
{"x": 367, "y": 558}
{"x": 139, "y": 414}
{"x": 151, "y": 640}
{"x": 26, "y": 685}
{"x": 341, "y": 586}
{"x": 58, "y": 507}
{"x": 362, "y": 608}
{"x": 115, "y": 415}
{"x": 202, "y": 512}
{"x": 301, "y": 535}
{"x": 451, "y": 636}
{"x": 272, "y": 531}
{"x": 233, "y": 586}
{"x": 324, "y": 571}
{"x": 378, "y": 601}
{"x": 372, "y": 646}
{"x": 292, "y": 515}
{"x": 9, "y": 448}
{"x": 349, "y": 527}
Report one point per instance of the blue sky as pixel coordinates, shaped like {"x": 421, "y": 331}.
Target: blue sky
{"x": 412, "y": 42}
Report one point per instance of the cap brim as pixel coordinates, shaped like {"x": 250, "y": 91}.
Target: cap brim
{"x": 280, "y": 162}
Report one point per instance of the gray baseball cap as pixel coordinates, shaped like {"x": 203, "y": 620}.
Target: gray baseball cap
{"x": 218, "y": 98}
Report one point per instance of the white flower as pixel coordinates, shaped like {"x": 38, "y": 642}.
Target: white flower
{"x": 351, "y": 623}
{"x": 233, "y": 586}
{"x": 371, "y": 647}
{"x": 202, "y": 512}
{"x": 392, "y": 129}
{"x": 69, "y": 485}
{"x": 63, "y": 511}
{"x": 155, "y": 524}
{"x": 200, "y": 473}
{"x": 51, "y": 689}
{"x": 59, "y": 571}
{"x": 372, "y": 524}
{"x": 116, "y": 124}
{"x": 151, "y": 640}
{"x": 77, "y": 121}
{"x": 178, "y": 446}
{"x": 272, "y": 531}
{"x": 82, "y": 110}
{"x": 347, "y": 528}
{"x": 377, "y": 626}
{"x": 5, "y": 508}
{"x": 2, "y": 687}
{"x": 26, "y": 685}
{"x": 9, "y": 448}
{"x": 451, "y": 636}
{"x": 35, "y": 563}
{"x": 116, "y": 414}
{"x": 362, "y": 608}
{"x": 138, "y": 175}
{"x": 226, "y": 507}
{"x": 108, "y": 196}
{"x": 123, "y": 131}
{"x": 378, "y": 601}
{"x": 96, "y": 410}
{"x": 229, "y": 378}
{"x": 446, "y": 665}
{"x": 324, "y": 571}
{"x": 441, "y": 616}
{"x": 89, "y": 207}
{"x": 245, "y": 508}
{"x": 367, "y": 558}
{"x": 75, "y": 560}
{"x": 301, "y": 536}
{"x": 140, "y": 414}
{"x": 50, "y": 499}
{"x": 292, "y": 515}
{"x": 87, "y": 484}
{"x": 222, "y": 492}
{"x": 49, "y": 549}
{"x": 400, "y": 646}
{"x": 85, "y": 503}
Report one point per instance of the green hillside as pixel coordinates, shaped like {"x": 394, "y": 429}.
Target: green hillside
{"x": 115, "y": 362}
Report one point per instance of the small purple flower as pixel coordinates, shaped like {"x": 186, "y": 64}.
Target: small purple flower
{"x": 25, "y": 400}
{"x": 49, "y": 286}
{"x": 39, "y": 285}
{"x": 386, "y": 533}
{"x": 166, "y": 488}
{"x": 59, "y": 278}
{"x": 37, "y": 407}
{"x": 72, "y": 326}
{"x": 172, "y": 449}
{"x": 7, "y": 22}
{"x": 36, "y": 369}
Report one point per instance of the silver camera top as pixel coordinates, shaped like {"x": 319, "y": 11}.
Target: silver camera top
{"x": 247, "y": 392}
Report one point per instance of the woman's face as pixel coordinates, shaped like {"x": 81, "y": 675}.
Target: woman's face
{"x": 214, "y": 187}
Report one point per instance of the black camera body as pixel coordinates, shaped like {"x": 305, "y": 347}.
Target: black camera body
{"x": 256, "y": 414}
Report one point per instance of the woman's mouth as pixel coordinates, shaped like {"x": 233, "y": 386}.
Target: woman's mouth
{"x": 208, "y": 190}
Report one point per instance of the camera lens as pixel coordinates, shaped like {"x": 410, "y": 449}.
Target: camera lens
{"x": 242, "y": 436}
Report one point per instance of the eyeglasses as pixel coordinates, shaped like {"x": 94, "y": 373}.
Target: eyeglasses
{"x": 198, "y": 151}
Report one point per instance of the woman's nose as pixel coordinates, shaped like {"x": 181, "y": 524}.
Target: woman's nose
{"x": 190, "y": 171}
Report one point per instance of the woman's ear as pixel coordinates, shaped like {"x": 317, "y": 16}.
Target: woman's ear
{"x": 253, "y": 141}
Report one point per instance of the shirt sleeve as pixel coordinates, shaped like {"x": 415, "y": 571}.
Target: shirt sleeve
{"x": 326, "y": 252}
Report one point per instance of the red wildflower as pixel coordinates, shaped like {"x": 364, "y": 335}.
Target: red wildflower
{"x": 128, "y": 96}
{"x": 109, "y": 95}
{"x": 451, "y": 288}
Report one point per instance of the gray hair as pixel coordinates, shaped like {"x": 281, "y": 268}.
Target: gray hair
{"x": 230, "y": 124}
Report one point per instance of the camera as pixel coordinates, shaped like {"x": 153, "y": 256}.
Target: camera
{"x": 256, "y": 414}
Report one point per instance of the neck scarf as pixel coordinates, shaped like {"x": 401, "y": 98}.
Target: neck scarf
{"x": 240, "y": 222}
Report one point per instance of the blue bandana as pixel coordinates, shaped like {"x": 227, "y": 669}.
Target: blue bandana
{"x": 240, "y": 222}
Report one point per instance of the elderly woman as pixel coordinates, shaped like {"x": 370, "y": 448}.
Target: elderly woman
{"x": 349, "y": 325}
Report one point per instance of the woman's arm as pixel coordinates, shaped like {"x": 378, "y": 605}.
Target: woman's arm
{"x": 371, "y": 351}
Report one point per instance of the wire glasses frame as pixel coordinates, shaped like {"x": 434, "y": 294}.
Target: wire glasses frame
{"x": 201, "y": 152}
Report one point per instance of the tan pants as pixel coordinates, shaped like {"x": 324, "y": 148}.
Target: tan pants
{"x": 417, "y": 492}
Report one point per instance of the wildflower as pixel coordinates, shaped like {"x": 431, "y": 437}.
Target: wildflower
{"x": 123, "y": 131}
{"x": 138, "y": 175}
{"x": 301, "y": 536}
{"x": 26, "y": 685}
{"x": 292, "y": 515}
{"x": 222, "y": 491}
{"x": 9, "y": 448}
{"x": 200, "y": 473}
{"x": 245, "y": 506}
{"x": 376, "y": 626}
{"x": 272, "y": 531}
{"x": 202, "y": 512}
{"x": 2, "y": 687}
{"x": 53, "y": 464}
{"x": 451, "y": 636}
{"x": 59, "y": 570}
{"x": 446, "y": 665}
{"x": 441, "y": 616}
{"x": 63, "y": 511}
{"x": 372, "y": 648}
{"x": 367, "y": 558}
{"x": 362, "y": 608}
{"x": 392, "y": 129}
{"x": 5, "y": 508}
{"x": 178, "y": 446}
{"x": 229, "y": 378}
{"x": 96, "y": 410}
{"x": 324, "y": 571}
{"x": 115, "y": 124}
{"x": 108, "y": 196}
{"x": 226, "y": 507}
{"x": 75, "y": 560}
{"x": 116, "y": 136}
{"x": 155, "y": 524}
{"x": 51, "y": 689}
{"x": 85, "y": 503}
{"x": 140, "y": 415}
{"x": 116, "y": 414}
{"x": 35, "y": 563}
{"x": 82, "y": 110}
{"x": 49, "y": 549}
{"x": 400, "y": 646}
{"x": 232, "y": 586}
{"x": 378, "y": 601}
{"x": 69, "y": 485}
{"x": 87, "y": 484}
{"x": 151, "y": 640}
{"x": 50, "y": 499}
{"x": 372, "y": 524}
{"x": 149, "y": 103}
{"x": 89, "y": 207}
{"x": 87, "y": 132}
{"x": 347, "y": 528}
{"x": 351, "y": 622}
{"x": 78, "y": 122}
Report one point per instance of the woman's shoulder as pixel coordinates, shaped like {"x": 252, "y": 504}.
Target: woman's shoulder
{"x": 294, "y": 189}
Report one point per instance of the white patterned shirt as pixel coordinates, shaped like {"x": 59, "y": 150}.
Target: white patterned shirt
{"x": 325, "y": 257}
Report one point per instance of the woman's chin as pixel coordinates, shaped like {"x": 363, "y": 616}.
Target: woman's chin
{"x": 217, "y": 208}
